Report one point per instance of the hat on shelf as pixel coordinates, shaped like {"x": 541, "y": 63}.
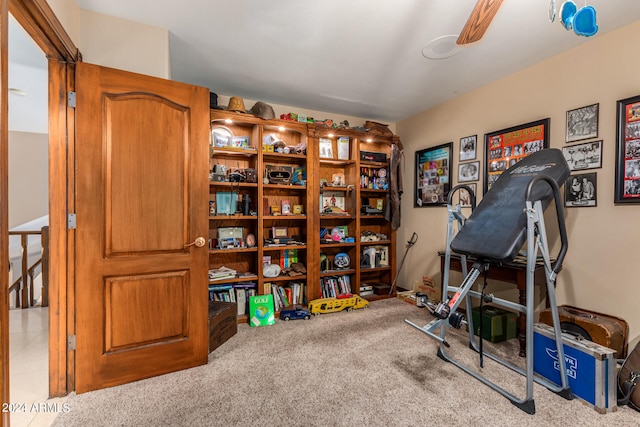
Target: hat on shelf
{"x": 213, "y": 101}
{"x": 236, "y": 104}
{"x": 262, "y": 110}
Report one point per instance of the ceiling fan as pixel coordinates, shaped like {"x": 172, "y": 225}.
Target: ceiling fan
{"x": 479, "y": 20}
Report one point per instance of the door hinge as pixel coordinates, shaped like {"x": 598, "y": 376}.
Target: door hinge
{"x": 71, "y": 342}
{"x": 71, "y": 99}
{"x": 71, "y": 221}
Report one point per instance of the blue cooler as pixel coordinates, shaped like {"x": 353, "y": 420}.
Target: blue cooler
{"x": 591, "y": 368}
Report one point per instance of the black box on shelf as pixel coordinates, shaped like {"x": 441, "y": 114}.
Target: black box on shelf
{"x": 373, "y": 156}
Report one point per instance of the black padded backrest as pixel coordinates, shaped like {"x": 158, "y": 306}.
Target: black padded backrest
{"x": 497, "y": 228}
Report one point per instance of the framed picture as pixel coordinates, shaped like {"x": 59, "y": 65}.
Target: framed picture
{"x": 504, "y": 148}
{"x": 286, "y": 207}
{"x": 468, "y": 172}
{"x": 580, "y": 190}
{"x": 332, "y": 202}
{"x": 464, "y": 198}
{"x": 343, "y": 147}
{"x": 240, "y": 142}
{"x": 582, "y": 123}
{"x": 468, "y": 146}
{"x": 279, "y": 232}
{"x": 627, "y": 178}
{"x": 326, "y": 148}
{"x": 221, "y": 137}
{"x": 584, "y": 156}
{"x": 433, "y": 175}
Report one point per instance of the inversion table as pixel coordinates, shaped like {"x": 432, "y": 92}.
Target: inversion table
{"x": 510, "y": 214}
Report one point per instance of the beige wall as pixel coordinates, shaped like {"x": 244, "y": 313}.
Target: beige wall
{"x": 114, "y": 42}
{"x": 599, "y": 270}
{"x": 28, "y": 177}
{"x": 125, "y": 45}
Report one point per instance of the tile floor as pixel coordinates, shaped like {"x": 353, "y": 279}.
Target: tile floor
{"x": 29, "y": 354}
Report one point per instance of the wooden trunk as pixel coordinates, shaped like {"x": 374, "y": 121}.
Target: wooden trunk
{"x": 223, "y": 323}
{"x": 603, "y": 329}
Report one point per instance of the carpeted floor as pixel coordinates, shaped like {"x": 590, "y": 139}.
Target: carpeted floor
{"x": 365, "y": 367}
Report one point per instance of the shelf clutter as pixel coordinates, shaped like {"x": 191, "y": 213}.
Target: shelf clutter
{"x": 297, "y": 208}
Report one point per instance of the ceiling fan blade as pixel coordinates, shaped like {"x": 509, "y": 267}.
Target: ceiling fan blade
{"x": 479, "y": 20}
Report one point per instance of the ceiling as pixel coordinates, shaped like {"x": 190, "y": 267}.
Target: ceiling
{"x": 360, "y": 58}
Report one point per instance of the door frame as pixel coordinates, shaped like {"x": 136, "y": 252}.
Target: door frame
{"x": 38, "y": 19}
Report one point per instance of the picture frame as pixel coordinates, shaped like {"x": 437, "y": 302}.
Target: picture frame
{"x": 580, "y": 190}
{"x": 587, "y": 155}
{"x": 240, "y": 142}
{"x": 286, "y": 207}
{"x": 582, "y": 123}
{"x": 326, "y": 148}
{"x": 520, "y": 141}
{"x": 469, "y": 172}
{"x": 468, "y": 148}
{"x": 343, "y": 144}
{"x": 464, "y": 199}
{"x": 279, "y": 232}
{"x": 627, "y": 170}
{"x": 332, "y": 202}
{"x": 220, "y": 137}
{"x": 433, "y": 175}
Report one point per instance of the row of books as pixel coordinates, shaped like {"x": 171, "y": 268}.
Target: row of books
{"x": 332, "y": 286}
{"x": 234, "y": 292}
{"x": 287, "y": 257}
{"x": 284, "y": 296}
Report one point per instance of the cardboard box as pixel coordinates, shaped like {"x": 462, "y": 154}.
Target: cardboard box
{"x": 223, "y": 323}
{"x": 426, "y": 287}
{"x": 407, "y": 296}
{"x": 497, "y": 325}
{"x": 591, "y": 368}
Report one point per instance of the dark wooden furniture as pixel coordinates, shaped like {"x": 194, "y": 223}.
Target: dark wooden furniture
{"x": 506, "y": 272}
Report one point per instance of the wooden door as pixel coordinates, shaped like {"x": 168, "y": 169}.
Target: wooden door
{"x": 141, "y": 199}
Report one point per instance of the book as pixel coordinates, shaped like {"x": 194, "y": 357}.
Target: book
{"x": 261, "y": 311}
{"x": 241, "y": 299}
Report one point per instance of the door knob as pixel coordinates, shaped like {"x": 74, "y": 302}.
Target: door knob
{"x": 199, "y": 242}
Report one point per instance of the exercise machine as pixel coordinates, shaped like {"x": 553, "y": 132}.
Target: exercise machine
{"x": 510, "y": 215}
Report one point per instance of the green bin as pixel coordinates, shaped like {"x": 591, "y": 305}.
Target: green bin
{"x": 497, "y": 324}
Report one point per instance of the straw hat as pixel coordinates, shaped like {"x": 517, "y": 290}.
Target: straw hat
{"x": 236, "y": 104}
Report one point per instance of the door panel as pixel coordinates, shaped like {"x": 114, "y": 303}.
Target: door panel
{"x": 130, "y": 204}
{"x": 141, "y": 198}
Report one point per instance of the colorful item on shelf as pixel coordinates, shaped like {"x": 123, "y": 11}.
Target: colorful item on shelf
{"x": 342, "y": 260}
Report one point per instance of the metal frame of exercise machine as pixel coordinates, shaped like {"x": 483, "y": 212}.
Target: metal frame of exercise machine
{"x": 445, "y": 311}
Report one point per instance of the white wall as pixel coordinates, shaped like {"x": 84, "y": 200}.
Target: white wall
{"x": 28, "y": 177}
{"x": 599, "y": 270}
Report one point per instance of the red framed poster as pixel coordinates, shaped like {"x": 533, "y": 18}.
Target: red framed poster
{"x": 505, "y": 148}
{"x": 627, "y": 180}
